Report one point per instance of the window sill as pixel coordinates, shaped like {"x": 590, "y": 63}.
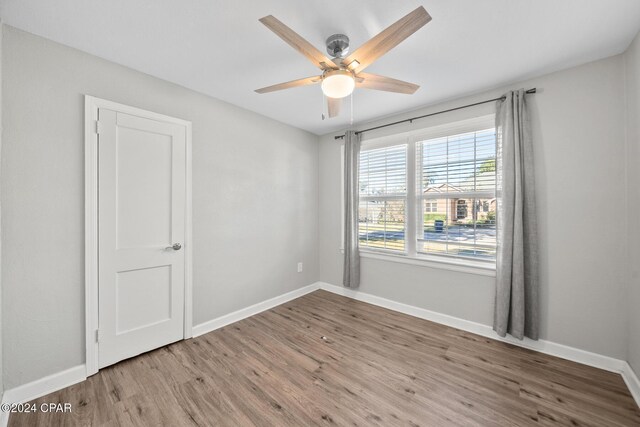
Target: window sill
{"x": 462, "y": 266}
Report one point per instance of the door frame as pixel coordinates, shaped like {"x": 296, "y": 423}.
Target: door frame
{"x": 91, "y": 128}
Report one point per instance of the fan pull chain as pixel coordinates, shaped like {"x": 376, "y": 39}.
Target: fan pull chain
{"x": 351, "y": 122}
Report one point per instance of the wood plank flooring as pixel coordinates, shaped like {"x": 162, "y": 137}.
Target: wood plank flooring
{"x": 324, "y": 359}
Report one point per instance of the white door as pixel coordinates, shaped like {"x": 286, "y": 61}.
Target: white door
{"x": 141, "y": 230}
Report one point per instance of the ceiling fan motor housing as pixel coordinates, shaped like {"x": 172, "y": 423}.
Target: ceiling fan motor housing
{"x": 338, "y": 45}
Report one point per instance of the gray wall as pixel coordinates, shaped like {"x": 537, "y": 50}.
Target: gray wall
{"x": 632, "y": 62}
{"x": 240, "y": 159}
{"x": 578, "y": 128}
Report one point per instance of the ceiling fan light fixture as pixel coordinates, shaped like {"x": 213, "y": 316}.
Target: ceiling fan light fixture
{"x": 338, "y": 83}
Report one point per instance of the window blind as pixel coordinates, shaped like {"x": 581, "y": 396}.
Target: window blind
{"x": 383, "y": 171}
{"x": 383, "y": 192}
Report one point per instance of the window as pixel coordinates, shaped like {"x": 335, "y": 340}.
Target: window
{"x": 458, "y": 173}
{"x": 383, "y": 196}
{"x": 433, "y": 195}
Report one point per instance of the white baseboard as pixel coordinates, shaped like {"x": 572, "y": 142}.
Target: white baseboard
{"x": 630, "y": 377}
{"x": 41, "y": 387}
{"x": 559, "y": 350}
{"x": 46, "y": 385}
{"x": 227, "y": 319}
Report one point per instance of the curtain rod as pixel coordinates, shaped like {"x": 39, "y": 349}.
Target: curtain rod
{"x": 502, "y": 98}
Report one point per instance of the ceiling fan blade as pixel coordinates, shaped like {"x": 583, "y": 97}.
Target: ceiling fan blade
{"x": 333, "y": 106}
{"x": 389, "y": 38}
{"x": 374, "y": 81}
{"x": 293, "y": 83}
{"x": 318, "y": 59}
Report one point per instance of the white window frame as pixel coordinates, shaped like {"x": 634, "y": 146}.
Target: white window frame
{"x": 411, "y": 255}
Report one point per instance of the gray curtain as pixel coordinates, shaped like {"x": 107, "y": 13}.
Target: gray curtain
{"x": 351, "y": 275}
{"x": 516, "y": 302}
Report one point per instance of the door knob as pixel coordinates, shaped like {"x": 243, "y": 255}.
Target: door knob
{"x": 175, "y": 247}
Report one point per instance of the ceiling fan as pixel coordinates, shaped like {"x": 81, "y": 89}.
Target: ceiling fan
{"x": 342, "y": 73}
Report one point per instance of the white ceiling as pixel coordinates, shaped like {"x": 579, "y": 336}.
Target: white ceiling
{"x": 219, "y": 48}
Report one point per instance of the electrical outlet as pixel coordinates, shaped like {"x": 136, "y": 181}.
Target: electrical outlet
{"x": 299, "y": 267}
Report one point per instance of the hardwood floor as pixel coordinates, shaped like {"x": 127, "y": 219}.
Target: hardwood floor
{"x": 324, "y": 359}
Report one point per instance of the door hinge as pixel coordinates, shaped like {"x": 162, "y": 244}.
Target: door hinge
{"x": 98, "y": 127}
{"x": 97, "y": 335}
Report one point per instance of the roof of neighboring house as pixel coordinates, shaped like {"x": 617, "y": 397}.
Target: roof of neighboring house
{"x": 465, "y": 186}
{"x": 443, "y": 188}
